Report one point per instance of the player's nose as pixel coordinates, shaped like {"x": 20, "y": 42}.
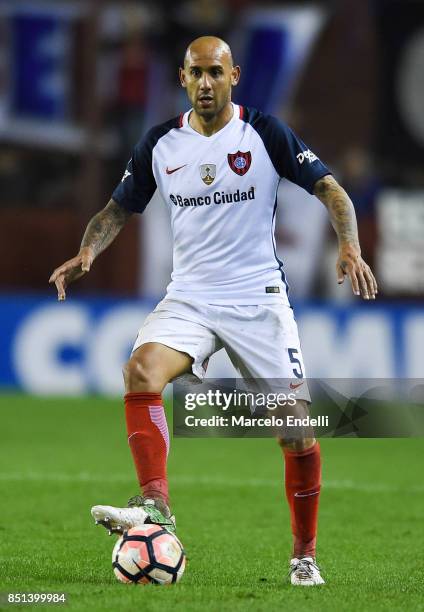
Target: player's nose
{"x": 205, "y": 83}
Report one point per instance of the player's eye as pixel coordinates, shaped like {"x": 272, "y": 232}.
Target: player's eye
{"x": 216, "y": 72}
{"x": 195, "y": 72}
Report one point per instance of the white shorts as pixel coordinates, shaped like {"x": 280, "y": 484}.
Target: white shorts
{"x": 261, "y": 341}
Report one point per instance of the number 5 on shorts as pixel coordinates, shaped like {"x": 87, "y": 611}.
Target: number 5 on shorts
{"x": 293, "y": 359}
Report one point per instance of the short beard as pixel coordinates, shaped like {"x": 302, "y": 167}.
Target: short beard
{"x": 207, "y": 114}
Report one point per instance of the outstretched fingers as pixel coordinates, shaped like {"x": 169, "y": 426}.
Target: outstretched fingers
{"x": 70, "y": 271}
{"x": 65, "y": 268}
{"x": 362, "y": 280}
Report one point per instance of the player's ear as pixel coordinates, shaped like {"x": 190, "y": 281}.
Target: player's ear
{"x": 235, "y": 75}
{"x": 182, "y": 77}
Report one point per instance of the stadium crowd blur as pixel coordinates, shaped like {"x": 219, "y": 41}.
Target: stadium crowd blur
{"x": 80, "y": 82}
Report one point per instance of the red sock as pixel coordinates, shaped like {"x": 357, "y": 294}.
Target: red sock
{"x": 148, "y": 438}
{"x": 303, "y": 483}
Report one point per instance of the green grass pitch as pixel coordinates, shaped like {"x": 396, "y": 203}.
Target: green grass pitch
{"x": 59, "y": 456}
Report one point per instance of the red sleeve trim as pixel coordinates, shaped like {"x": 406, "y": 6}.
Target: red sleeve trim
{"x": 241, "y": 110}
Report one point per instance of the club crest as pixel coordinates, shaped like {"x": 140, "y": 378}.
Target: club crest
{"x": 240, "y": 162}
{"x": 208, "y": 173}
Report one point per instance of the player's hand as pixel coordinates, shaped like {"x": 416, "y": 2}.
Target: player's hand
{"x": 351, "y": 264}
{"x": 71, "y": 270}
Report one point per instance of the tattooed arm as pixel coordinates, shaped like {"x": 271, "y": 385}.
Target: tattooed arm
{"x": 104, "y": 227}
{"x": 343, "y": 219}
{"x": 101, "y": 230}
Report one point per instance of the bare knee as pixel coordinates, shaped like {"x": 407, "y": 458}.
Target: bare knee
{"x": 152, "y": 366}
{"x": 303, "y": 437}
{"x": 296, "y": 445}
{"x": 141, "y": 376}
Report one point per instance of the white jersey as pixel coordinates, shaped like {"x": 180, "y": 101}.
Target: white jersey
{"x": 221, "y": 194}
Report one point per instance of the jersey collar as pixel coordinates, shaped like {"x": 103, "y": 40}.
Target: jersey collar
{"x": 236, "y": 115}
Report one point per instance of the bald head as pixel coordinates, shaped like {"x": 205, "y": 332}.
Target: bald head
{"x": 210, "y": 47}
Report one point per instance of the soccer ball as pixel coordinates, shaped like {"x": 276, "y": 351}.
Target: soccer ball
{"x": 148, "y": 553}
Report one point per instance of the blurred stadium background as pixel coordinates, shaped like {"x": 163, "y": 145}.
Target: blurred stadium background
{"x": 79, "y": 83}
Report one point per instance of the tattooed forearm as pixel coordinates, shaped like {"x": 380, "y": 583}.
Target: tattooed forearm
{"x": 340, "y": 208}
{"x": 104, "y": 227}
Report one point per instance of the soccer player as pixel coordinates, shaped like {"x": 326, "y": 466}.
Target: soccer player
{"x": 218, "y": 167}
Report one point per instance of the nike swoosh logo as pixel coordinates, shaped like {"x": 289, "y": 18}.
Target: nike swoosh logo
{"x": 168, "y": 171}
{"x": 292, "y": 386}
{"x": 306, "y": 494}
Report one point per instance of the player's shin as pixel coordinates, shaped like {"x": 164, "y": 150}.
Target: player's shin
{"x": 148, "y": 438}
{"x": 303, "y": 484}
